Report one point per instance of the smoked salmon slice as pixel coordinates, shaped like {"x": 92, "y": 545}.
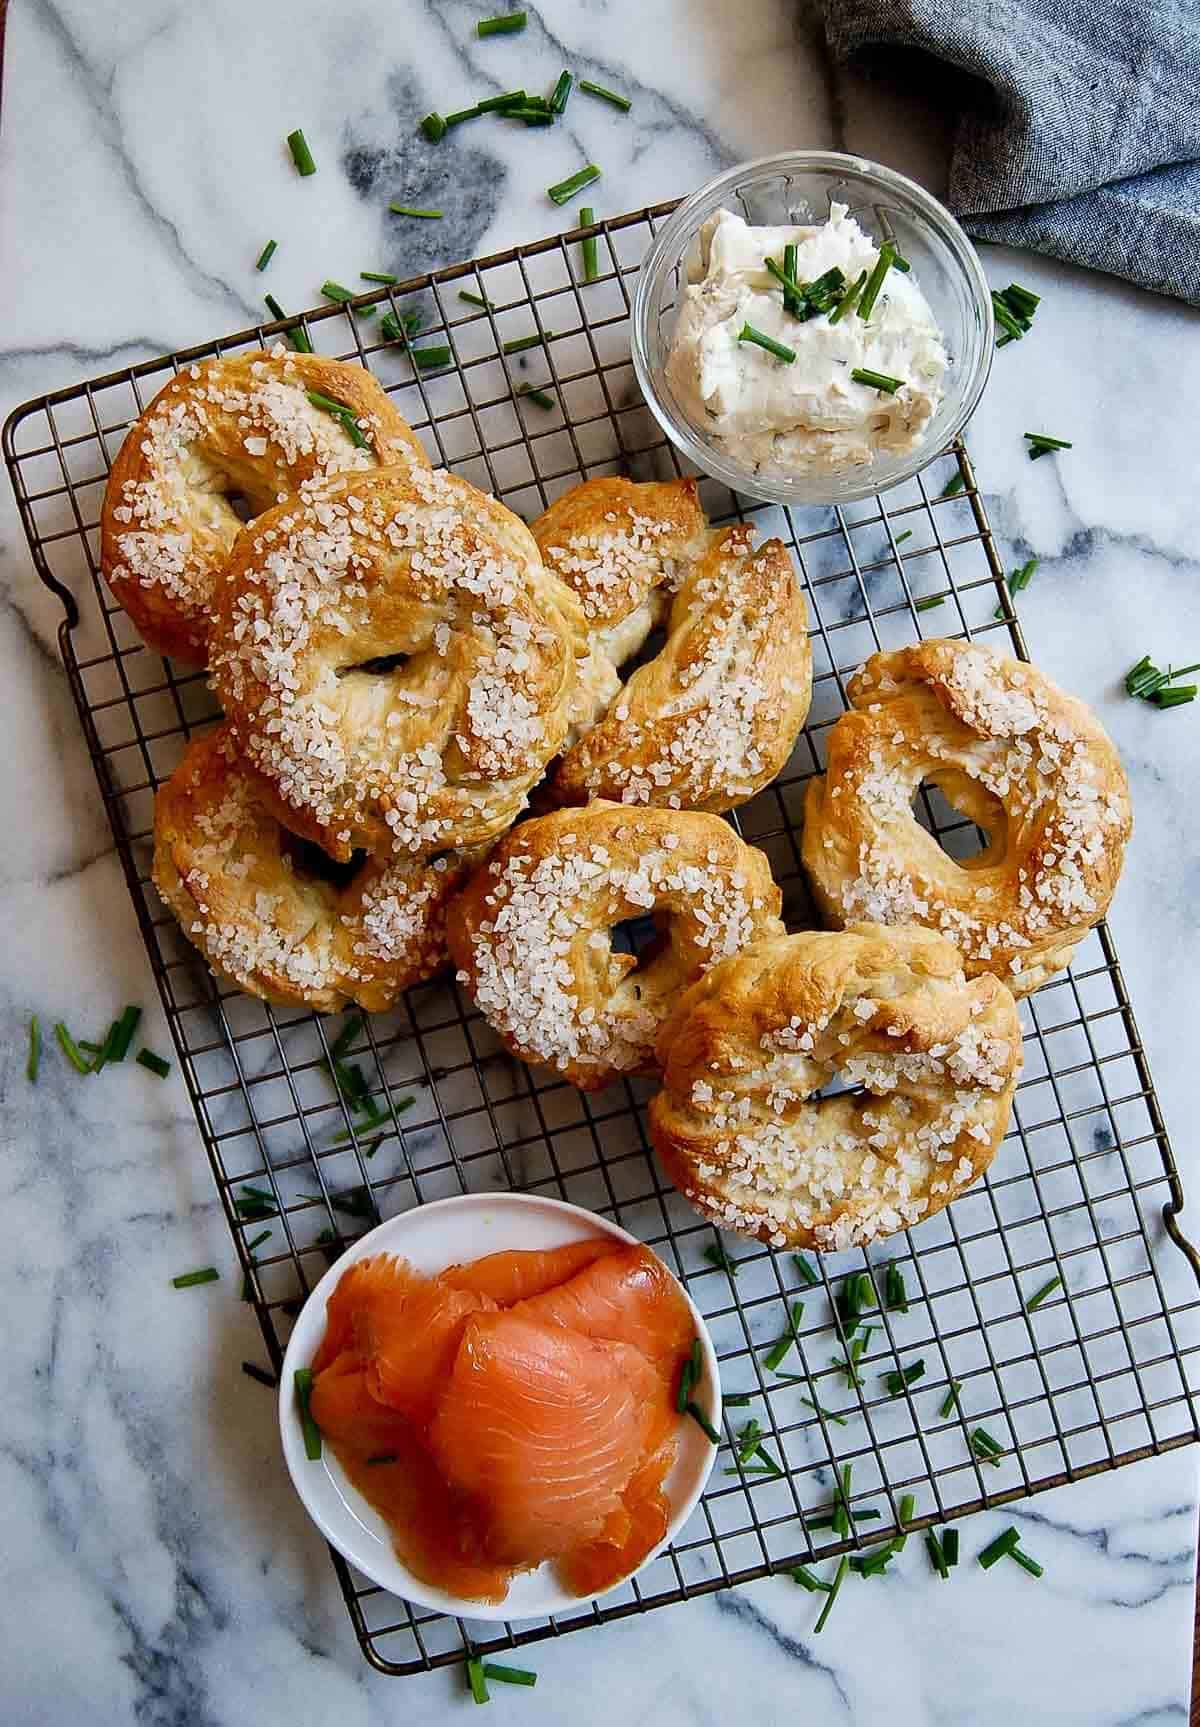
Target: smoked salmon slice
{"x": 544, "y": 1429}
{"x": 515, "y": 1276}
{"x": 628, "y": 1296}
{"x": 627, "y": 1536}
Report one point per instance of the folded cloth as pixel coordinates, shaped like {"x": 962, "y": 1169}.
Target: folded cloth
{"x": 1078, "y": 122}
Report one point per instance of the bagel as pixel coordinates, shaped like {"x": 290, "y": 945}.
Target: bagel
{"x": 1027, "y": 763}
{"x": 530, "y": 931}
{"x": 394, "y": 662}
{"x": 242, "y": 426}
{"x": 740, "y": 1133}
{"x": 712, "y": 718}
{"x": 245, "y": 895}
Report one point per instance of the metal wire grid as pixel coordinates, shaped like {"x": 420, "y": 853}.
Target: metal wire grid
{"x": 1102, "y": 1374}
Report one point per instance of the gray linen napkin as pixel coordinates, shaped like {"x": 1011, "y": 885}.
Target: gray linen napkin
{"x": 1078, "y": 129}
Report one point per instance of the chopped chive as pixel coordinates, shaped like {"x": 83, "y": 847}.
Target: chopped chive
{"x": 564, "y": 190}
{"x": 1005, "y": 318}
{"x": 897, "y": 1382}
{"x": 954, "y": 484}
{"x": 716, "y": 1255}
{"x": 795, "y": 293}
{"x": 539, "y": 398}
{"x": 1004, "y": 1543}
{"x": 399, "y": 327}
{"x": 985, "y": 1447}
{"x": 748, "y": 1440}
{"x": 265, "y": 256}
{"x": 505, "y": 25}
{"x": 867, "y": 1516}
{"x": 849, "y": 299}
{"x": 805, "y": 1271}
{"x": 950, "y": 1546}
{"x": 1175, "y": 698}
{"x": 702, "y": 1421}
{"x": 258, "y": 1240}
{"x": 930, "y": 603}
{"x": 901, "y": 264}
{"x": 848, "y": 1301}
{"x": 1037, "y": 1298}
{"x": 519, "y": 344}
{"x": 1022, "y": 301}
{"x": 411, "y": 210}
{"x": 297, "y": 337}
{"x": 588, "y": 250}
{"x": 562, "y": 90}
{"x": 434, "y": 127}
{"x": 1039, "y": 441}
{"x": 950, "y": 1399}
{"x": 738, "y": 1400}
{"x": 783, "y": 1344}
{"x": 908, "y": 1505}
{"x": 876, "y": 380}
{"x": 906, "y": 535}
{"x": 301, "y": 154}
{"x": 684, "y": 1390}
{"x": 247, "y": 1290}
{"x": 828, "y": 1414}
{"x": 748, "y": 333}
{"x": 384, "y": 276}
{"x": 378, "y": 1118}
{"x": 474, "y": 299}
{"x": 91, "y": 1048}
{"x": 384, "y": 1457}
{"x": 124, "y": 1030}
{"x": 312, "y": 1433}
{"x": 189, "y": 1279}
{"x": 252, "y": 1371}
{"x": 1018, "y": 579}
{"x": 147, "y": 1058}
{"x": 841, "y": 1510}
{"x": 71, "y": 1049}
{"x": 854, "y": 1353}
{"x": 335, "y": 291}
{"x": 508, "y": 99}
{"x": 476, "y": 1680}
{"x": 35, "y": 1050}
{"x": 867, "y": 1299}
{"x": 509, "y": 1675}
{"x": 936, "y": 1556}
{"x": 621, "y": 102}
{"x": 343, "y": 414}
{"x": 894, "y": 1292}
{"x": 531, "y": 115}
{"x": 803, "y": 1576}
{"x": 870, "y": 293}
{"x": 768, "y": 1468}
{"x": 791, "y": 302}
{"x": 355, "y": 1202}
{"x": 1028, "y": 1564}
{"x": 843, "y": 1567}
{"x": 431, "y": 359}
{"x": 461, "y": 114}
{"x": 253, "y": 1204}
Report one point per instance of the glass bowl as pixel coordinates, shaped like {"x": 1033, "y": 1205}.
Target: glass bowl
{"x": 799, "y": 187}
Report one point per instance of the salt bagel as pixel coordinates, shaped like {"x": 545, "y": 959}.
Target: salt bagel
{"x": 263, "y": 920}
{"x": 713, "y": 716}
{"x": 394, "y": 661}
{"x": 242, "y": 426}
{"x": 1028, "y": 763}
{"x": 739, "y": 1132}
{"x": 530, "y": 932}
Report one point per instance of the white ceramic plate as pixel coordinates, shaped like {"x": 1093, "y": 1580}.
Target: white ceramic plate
{"x": 430, "y": 1238}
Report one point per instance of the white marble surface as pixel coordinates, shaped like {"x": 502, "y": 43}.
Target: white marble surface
{"x": 155, "y": 1565}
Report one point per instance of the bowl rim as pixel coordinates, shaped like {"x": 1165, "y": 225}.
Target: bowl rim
{"x": 395, "y": 1577}
{"x": 666, "y": 249}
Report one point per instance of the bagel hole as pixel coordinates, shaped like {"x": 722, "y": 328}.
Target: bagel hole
{"x": 650, "y": 649}
{"x": 643, "y": 937}
{"x": 966, "y": 820}
{"x": 310, "y": 863}
{"x": 241, "y": 506}
{"x": 380, "y": 667}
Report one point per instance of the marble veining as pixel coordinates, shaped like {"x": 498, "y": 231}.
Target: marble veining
{"x": 156, "y": 1565}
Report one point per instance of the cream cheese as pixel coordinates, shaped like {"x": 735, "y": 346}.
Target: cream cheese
{"x": 809, "y": 414}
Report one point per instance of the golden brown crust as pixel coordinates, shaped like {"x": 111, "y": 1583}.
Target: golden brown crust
{"x": 530, "y": 932}
{"x": 1028, "y": 763}
{"x": 713, "y": 717}
{"x": 736, "y": 1126}
{"x": 439, "y": 750}
{"x": 222, "y": 864}
{"x": 241, "y": 425}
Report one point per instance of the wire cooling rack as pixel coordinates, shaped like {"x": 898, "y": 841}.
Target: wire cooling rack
{"x": 1102, "y": 1373}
